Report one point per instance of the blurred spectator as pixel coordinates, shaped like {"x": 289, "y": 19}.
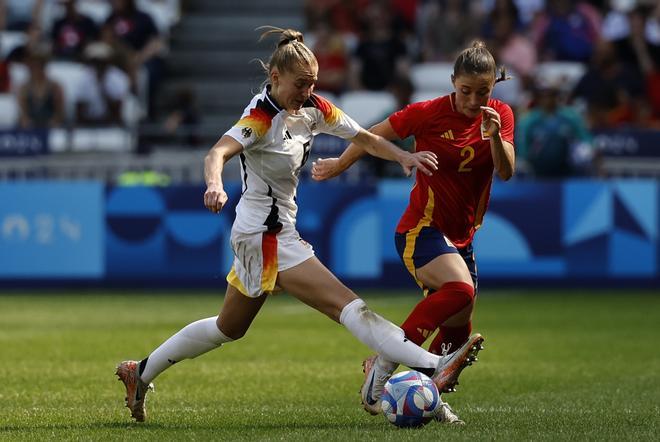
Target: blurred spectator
{"x": 553, "y": 139}
{"x": 5, "y": 80}
{"x": 134, "y": 33}
{"x": 184, "y": 117}
{"x": 103, "y": 90}
{"x": 344, "y": 15}
{"x": 645, "y": 42}
{"x": 567, "y": 31}
{"x": 406, "y": 11}
{"x": 528, "y": 10}
{"x": 444, "y": 26}
{"x": 635, "y": 33}
{"x": 501, "y": 9}
{"x": 33, "y": 43}
{"x": 332, "y": 56}
{"x": 510, "y": 47}
{"x": 611, "y": 89}
{"x": 72, "y": 32}
{"x": 40, "y": 99}
{"x": 380, "y": 53}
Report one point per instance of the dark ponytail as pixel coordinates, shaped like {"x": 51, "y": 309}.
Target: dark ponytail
{"x": 477, "y": 60}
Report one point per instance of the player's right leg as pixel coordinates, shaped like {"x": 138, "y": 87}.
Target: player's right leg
{"x": 312, "y": 283}
{"x": 377, "y": 372}
{"x": 195, "y": 339}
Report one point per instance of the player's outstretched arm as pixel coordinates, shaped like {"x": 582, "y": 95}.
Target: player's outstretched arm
{"x": 375, "y": 142}
{"x": 215, "y": 196}
{"x": 326, "y": 168}
{"x": 378, "y": 146}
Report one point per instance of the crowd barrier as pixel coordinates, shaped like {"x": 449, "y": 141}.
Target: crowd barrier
{"x": 564, "y": 233}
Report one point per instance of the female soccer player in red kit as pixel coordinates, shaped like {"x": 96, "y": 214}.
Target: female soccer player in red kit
{"x": 472, "y": 136}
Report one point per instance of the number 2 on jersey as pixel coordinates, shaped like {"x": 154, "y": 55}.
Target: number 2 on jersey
{"x": 468, "y": 153}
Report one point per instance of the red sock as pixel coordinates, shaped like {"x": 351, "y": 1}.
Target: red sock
{"x": 452, "y": 336}
{"x": 435, "y": 309}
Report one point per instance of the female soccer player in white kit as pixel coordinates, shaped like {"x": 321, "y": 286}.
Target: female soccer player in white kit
{"x": 274, "y": 137}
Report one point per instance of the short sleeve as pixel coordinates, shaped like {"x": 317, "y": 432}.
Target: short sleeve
{"x": 254, "y": 123}
{"x": 507, "y": 123}
{"x": 410, "y": 119}
{"x": 332, "y": 120}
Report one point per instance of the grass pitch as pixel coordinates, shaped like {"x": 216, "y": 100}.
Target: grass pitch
{"x": 557, "y": 366}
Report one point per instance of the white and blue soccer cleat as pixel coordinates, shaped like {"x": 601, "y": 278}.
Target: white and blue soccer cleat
{"x": 375, "y": 379}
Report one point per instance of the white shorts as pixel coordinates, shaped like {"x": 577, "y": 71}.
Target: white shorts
{"x": 258, "y": 257}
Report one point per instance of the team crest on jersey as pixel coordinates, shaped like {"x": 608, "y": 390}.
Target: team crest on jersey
{"x": 246, "y": 132}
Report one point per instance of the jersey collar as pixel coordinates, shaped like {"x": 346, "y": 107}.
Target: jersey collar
{"x": 271, "y": 100}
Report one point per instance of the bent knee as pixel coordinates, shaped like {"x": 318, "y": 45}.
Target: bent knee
{"x": 231, "y": 331}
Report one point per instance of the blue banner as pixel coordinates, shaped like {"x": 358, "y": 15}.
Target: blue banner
{"x": 23, "y": 142}
{"x": 628, "y": 142}
{"x": 51, "y": 230}
{"x": 166, "y": 233}
{"x": 561, "y": 232}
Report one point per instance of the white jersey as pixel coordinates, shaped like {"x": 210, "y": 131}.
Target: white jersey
{"x": 276, "y": 145}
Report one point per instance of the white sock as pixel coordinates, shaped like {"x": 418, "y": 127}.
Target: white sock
{"x": 383, "y": 337}
{"x": 191, "y": 341}
{"x": 386, "y": 366}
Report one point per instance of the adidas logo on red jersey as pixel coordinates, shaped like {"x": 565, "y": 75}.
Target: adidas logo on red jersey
{"x": 448, "y": 135}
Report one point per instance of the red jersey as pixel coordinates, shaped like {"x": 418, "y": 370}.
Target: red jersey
{"x": 453, "y": 199}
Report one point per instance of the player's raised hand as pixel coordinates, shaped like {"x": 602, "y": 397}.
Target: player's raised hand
{"x": 325, "y": 168}
{"x": 215, "y": 198}
{"x": 490, "y": 120}
{"x": 425, "y": 161}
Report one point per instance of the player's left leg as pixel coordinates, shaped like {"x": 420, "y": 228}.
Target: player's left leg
{"x": 438, "y": 268}
{"x": 312, "y": 283}
{"x": 448, "y": 308}
{"x": 427, "y": 249}
{"x": 238, "y": 312}
{"x": 455, "y": 331}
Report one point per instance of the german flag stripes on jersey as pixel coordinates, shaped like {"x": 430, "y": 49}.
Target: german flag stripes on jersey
{"x": 276, "y": 145}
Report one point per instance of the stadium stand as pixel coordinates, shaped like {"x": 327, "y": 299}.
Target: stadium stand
{"x": 211, "y": 71}
{"x": 366, "y": 107}
{"x": 432, "y": 77}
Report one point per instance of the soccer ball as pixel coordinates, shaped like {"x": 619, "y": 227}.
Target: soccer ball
{"x": 410, "y": 399}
